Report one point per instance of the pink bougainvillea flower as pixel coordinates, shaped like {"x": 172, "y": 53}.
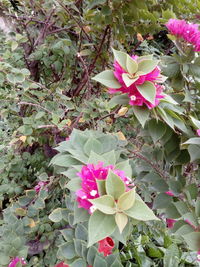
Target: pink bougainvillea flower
{"x": 170, "y": 193}
{"x": 198, "y": 255}
{"x": 106, "y": 246}
{"x": 136, "y": 99}
{"x": 40, "y": 185}
{"x": 61, "y": 264}
{"x": 14, "y": 262}
{"x": 186, "y": 31}
{"x": 198, "y": 132}
{"x": 89, "y": 189}
{"x": 170, "y": 223}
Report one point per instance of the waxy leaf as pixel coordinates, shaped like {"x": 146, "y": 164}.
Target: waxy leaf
{"x": 131, "y": 65}
{"x": 121, "y": 220}
{"x": 141, "y": 113}
{"x": 126, "y": 201}
{"x": 147, "y": 65}
{"x": 108, "y": 79}
{"x": 56, "y": 215}
{"x": 129, "y": 80}
{"x": 105, "y": 204}
{"x": 100, "y": 226}
{"x": 101, "y": 184}
{"x": 156, "y": 129}
{"x": 140, "y": 211}
{"x": 148, "y": 91}
{"x": 121, "y": 58}
{"x": 114, "y": 185}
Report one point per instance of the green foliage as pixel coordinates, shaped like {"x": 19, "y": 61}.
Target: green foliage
{"x": 52, "y": 54}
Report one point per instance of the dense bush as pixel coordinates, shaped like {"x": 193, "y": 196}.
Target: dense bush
{"x": 100, "y": 149}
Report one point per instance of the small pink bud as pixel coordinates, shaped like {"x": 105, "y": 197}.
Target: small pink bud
{"x": 106, "y": 246}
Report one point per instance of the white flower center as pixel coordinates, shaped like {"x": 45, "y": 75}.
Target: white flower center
{"x": 133, "y": 97}
{"x": 93, "y": 193}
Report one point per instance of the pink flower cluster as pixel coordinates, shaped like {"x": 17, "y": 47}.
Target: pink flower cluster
{"x": 198, "y": 132}
{"x": 40, "y": 185}
{"x": 187, "y": 31}
{"x": 136, "y": 99}
{"x": 89, "y": 190}
{"x": 106, "y": 246}
{"x": 14, "y": 262}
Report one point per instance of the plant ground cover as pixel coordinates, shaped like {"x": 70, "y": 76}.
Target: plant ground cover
{"x": 99, "y": 133}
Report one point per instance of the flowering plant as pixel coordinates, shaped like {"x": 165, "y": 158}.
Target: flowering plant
{"x": 138, "y": 77}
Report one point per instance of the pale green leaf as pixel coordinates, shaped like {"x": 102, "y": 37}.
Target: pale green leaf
{"x": 108, "y": 79}
{"x": 147, "y": 65}
{"x": 100, "y": 226}
{"x": 56, "y": 215}
{"x": 114, "y": 185}
{"x": 126, "y": 201}
{"x": 129, "y": 80}
{"x": 120, "y": 57}
{"x": 131, "y": 65}
{"x": 148, "y": 91}
{"x": 121, "y": 220}
{"x": 141, "y": 113}
{"x": 105, "y": 204}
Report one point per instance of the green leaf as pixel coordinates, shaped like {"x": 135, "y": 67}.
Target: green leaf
{"x": 68, "y": 250}
{"x": 56, "y": 215}
{"x": 95, "y": 158}
{"x": 105, "y": 204}
{"x": 148, "y": 91}
{"x": 108, "y": 79}
{"x": 147, "y": 65}
{"x": 125, "y": 166}
{"x": 121, "y": 58}
{"x": 193, "y": 240}
{"x": 131, "y": 65}
{"x": 99, "y": 262}
{"x": 129, "y": 80}
{"x": 122, "y": 99}
{"x": 110, "y": 157}
{"x": 80, "y": 214}
{"x": 92, "y": 252}
{"x": 141, "y": 113}
{"x": 101, "y": 184}
{"x": 194, "y": 151}
{"x": 126, "y": 201}
{"x": 121, "y": 220}
{"x": 171, "y": 257}
{"x": 193, "y": 141}
{"x": 92, "y": 145}
{"x": 156, "y": 129}
{"x": 74, "y": 184}
{"x": 79, "y": 263}
{"x": 100, "y": 226}
{"x": 140, "y": 211}
{"x": 195, "y": 122}
{"x": 114, "y": 185}
{"x": 162, "y": 201}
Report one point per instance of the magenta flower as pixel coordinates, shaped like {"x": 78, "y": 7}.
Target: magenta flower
{"x": 170, "y": 193}
{"x": 14, "y": 262}
{"x": 198, "y": 255}
{"x": 198, "y": 132}
{"x": 89, "y": 174}
{"x": 106, "y": 246}
{"x": 136, "y": 98}
{"x": 170, "y": 223}
{"x": 40, "y": 185}
{"x": 186, "y": 31}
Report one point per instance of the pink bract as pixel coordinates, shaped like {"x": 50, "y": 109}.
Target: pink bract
{"x": 170, "y": 223}
{"x": 14, "y": 262}
{"x": 170, "y": 193}
{"x": 89, "y": 190}
{"x": 40, "y": 185}
{"x": 136, "y": 99}
{"x": 198, "y": 132}
{"x": 187, "y": 31}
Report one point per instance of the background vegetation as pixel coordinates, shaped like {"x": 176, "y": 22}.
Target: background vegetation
{"x": 49, "y": 52}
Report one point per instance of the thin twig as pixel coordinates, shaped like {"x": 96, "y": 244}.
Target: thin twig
{"x": 154, "y": 166}
{"x": 34, "y": 105}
